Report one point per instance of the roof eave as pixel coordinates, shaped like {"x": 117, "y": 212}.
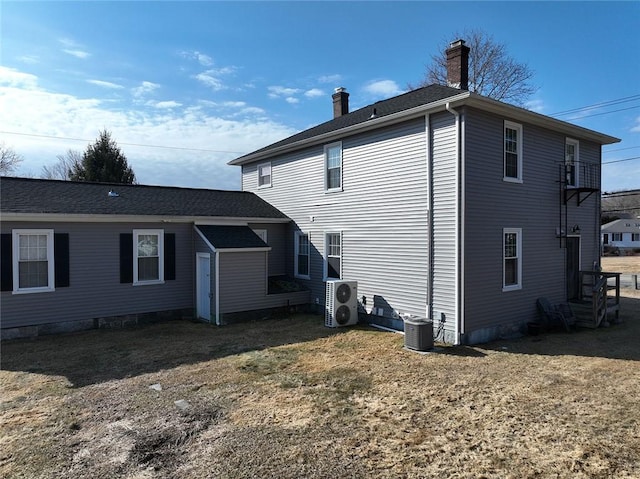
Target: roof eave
{"x": 97, "y": 218}
{"x": 528, "y": 116}
{"x": 353, "y": 129}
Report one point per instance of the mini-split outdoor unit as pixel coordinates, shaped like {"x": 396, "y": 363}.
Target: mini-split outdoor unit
{"x": 342, "y": 303}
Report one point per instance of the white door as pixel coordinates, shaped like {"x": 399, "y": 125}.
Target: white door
{"x": 203, "y": 286}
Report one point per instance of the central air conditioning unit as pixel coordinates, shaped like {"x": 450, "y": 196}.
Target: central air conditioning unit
{"x": 342, "y": 303}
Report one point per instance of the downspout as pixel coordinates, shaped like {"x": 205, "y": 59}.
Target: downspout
{"x": 459, "y": 305}
{"x": 217, "y": 293}
{"x": 429, "y": 305}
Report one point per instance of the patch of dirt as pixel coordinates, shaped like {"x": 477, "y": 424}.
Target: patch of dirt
{"x": 290, "y": 398}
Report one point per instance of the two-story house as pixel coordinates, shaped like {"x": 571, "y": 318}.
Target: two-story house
{"x": 440, "y": 203}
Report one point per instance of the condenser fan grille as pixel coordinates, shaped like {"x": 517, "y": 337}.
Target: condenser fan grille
{"x": 341, "y": 303}
{"x": 343, "y": 315}
{"x": 343, "y": 293}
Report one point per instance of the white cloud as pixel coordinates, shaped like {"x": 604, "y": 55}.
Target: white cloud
{"x": 166, "y": 104}
{"x": 145, "y": 88}
{"x": 535, "y": 105}
{"x": 382, "y": 88}
{"x": 277, "y": 91}
{"x": 314, "y": 93}
{"x": 203, "y": 59}
{"x": 77, "y": 53}
{"x": 29, "y": 59}
{"x": 211, "y": 81}
{"x": 291, "y": 100}
{"x": 106, "y": 84}
{"x": 30, "y": 110}
{"x": 13, "y": 78}
{"x": 330, "y": 78}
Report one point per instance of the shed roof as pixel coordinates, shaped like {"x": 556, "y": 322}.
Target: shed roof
{"x": 231, "y": 237}
{"x": 37, "y": 196}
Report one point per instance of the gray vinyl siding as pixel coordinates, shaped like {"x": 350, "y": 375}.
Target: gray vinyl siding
{"x": 243, "y": 281}
{"x": 381, "y": 212}
{"x": 445, "y": 220}
{"x": 277, "y": 239}
{"x": 492, "y": 204}
{"x": 95, "y": 290}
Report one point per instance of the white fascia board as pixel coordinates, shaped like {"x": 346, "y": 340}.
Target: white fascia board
{"x": 243, "y": 250}
{"x": 527, "y": 116}
{"x": 353, "y": 129}
{"x": 84, "y": 218}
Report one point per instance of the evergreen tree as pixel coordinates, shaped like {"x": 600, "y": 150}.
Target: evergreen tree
{"x": 103, "y": 162}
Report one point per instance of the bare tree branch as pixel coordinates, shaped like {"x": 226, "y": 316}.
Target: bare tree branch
{"x": 9, "y": 159}
{"x": 492, "y": 72}
{"x": 61, "y": 170}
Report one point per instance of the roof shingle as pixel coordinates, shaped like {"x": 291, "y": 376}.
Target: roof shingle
{"x": 27, "y": 195}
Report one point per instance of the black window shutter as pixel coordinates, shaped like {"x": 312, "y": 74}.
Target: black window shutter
{"x": 61, "y": 259}
{"x": 6, "y": 263}
{"x": 126, "y": 257}
{"x": 169, "y": 256}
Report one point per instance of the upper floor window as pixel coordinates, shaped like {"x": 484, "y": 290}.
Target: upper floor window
{"x": 148, "y": 255}
{"x": 33, "y": 263}
{"x": 333, "y": 255}
{"x": 512, "y": 259}
{"x": 302, "y": 257}
{"x": 571, "y": 161}
{"x": 264, "y": 175}
{"x": 333, "y": 166}
{"x": 512, "y": 152}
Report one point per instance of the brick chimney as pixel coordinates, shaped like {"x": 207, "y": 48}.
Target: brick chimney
{"x": 458, "y": 65}
{"x": 340, "y": 102}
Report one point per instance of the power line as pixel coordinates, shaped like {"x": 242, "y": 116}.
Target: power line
{"x": 126, "y": 144}
{"x": 621, "y": 149}
{"x": 602, "y": 113}
{"x": 598, "y": 105}
{"x": 620, "y": 161}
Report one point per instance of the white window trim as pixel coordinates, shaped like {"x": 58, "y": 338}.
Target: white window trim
{"x": 518, "y": 127}
{"x": 326, "y": 254}
{"x": 576, "y": 163}
{"x": 265, "y": 185}
{"x": 326, "y": 167}
{"x": 16, "y": 256}
{"x": 298, "y": 234}
{"x": 160, "y": 234}
{"x": 518, "y": 232}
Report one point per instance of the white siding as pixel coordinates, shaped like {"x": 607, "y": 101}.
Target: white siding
{"x": 381, "y": 212}
{"x": 445, "y": 220}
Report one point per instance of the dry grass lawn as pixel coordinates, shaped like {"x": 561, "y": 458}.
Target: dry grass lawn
{"x": 290, "y": 398}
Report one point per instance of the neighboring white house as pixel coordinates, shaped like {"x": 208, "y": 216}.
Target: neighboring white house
{"x": 622, "y": 234}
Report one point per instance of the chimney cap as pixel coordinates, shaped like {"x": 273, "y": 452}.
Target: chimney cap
{"x": 457, "y": 43}
{"x": 340, "y": 89}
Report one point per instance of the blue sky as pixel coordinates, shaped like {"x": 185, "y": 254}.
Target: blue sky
{"x": 185, "y": 87}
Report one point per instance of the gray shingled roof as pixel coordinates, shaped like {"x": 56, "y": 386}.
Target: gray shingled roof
{"x": 406, "y": 101}
{"x": 222, "y": 237}
{"x": 27, "y": 195}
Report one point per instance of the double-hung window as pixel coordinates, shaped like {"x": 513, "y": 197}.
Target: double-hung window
{"x": 333, "y": 252}
{"x": 572, "y": 162}
{"x": 148, "y": 256}
{"x": 512, "y": 152}
{"x": 511, "y": 259}
{"x": 302, "y": 257}
{"x": 616, "y": 236}
{"x": 33, "y": 263}
{"x": 635, "y": 237}
{"x": 264, "y": 175}
{"x": 333, "y": 167}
